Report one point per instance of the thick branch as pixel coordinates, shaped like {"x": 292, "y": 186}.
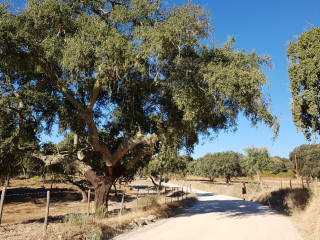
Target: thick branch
{"x": 54, "y": 80}
{"x": 95, "y": 92}
{"x": 138, "y": 139}
{"x": 71, "y": 159}
{"x": 143, "y": 152}
{"x": 93, "y": 136}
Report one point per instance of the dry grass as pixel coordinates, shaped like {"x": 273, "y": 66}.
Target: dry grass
{"x": 23, "y": 216}
{"x": 308, "y": 221}
{"x": 91, "y": 227}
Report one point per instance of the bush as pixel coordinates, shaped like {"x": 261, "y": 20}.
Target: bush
{"x": 101, "y": 211}
{"x": 288, "y": 174}
{"x": 77, "y": 219}
{"x": 95, "y": 234}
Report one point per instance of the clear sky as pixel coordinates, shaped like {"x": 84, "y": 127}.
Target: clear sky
{"x": 267, "y": 27}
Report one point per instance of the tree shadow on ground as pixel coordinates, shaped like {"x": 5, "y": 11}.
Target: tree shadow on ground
{"x": 235, "y": 208}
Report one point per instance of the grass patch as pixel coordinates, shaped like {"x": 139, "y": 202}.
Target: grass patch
{"x": 285, "y": 200}
{"x": 308, "y": 221}
{"x": 78, "y": 219}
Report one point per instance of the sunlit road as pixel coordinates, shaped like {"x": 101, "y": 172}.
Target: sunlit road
{"x": 219, "y": 217}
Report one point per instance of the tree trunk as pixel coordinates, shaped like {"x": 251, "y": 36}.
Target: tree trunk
{"x": 115, "y": 188}
{"x": 101, "y": 193}
{"x": 103, "y": 184}
{"x": 154, "y": 182}
{"x": 259, "y": 180}
{"x": 8, "y": 181}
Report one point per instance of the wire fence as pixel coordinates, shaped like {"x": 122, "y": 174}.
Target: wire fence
{"x": 143, "y": 198}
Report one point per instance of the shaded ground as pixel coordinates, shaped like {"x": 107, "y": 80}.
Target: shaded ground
{"x": 220, "y": 217}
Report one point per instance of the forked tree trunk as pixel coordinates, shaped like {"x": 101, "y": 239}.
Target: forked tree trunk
{"x": 103, "y": 184}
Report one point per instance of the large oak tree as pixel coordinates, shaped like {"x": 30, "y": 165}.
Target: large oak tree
{"x": 128, "y": 77}
{"x": 304, "y": 75}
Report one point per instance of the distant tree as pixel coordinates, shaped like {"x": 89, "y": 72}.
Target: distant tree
{"x": 306, "y": 159}
{"x": 227, "y": 164}
{"x": 278, "y": 164}
{"x": 192, "y": 168}
{"x": 206, "y": 167}
{"x": 166, "y": 165}
{"x": 256, "y": 161}
{"x": 304, "y": 75}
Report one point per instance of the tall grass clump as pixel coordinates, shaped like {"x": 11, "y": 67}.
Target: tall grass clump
{"x": 308, "y": 221}
{"x": 78, "y": 219}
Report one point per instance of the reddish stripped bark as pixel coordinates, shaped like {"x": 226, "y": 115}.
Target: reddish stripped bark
{"x": 102, "y": 184}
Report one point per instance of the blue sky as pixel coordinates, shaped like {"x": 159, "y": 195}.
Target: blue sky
{"x": 267, "y": 27}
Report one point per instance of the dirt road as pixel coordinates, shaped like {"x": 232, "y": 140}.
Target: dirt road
{"x": 219, "y": 217}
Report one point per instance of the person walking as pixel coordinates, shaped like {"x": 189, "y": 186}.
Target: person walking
{"x": 244, "y": 191}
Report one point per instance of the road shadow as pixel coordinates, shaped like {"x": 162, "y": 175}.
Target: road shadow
{"x": 235, "y": 208}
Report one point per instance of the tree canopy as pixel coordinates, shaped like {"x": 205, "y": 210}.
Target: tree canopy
{"x": 128, "y": 77}
{"x": 227, "y": 164}
{"x": 306, "y": 158}
{"x": 256, "y": 161}
{"x": 304, "y": 75}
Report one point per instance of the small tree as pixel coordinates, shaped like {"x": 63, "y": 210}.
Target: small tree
{"x": 306, "y": 159}
{"x": 227, "y": 164}
{"x": 279, "y": 164}
{"x": 166, "y": 165}
{"x": 256, "y": 161}
{"x": 206, "y": 167}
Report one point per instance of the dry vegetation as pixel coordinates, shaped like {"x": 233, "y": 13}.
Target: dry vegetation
{"x": 23, "y": 214}
{"x": 300, "y": 204}
{"x": 23, "y": 218}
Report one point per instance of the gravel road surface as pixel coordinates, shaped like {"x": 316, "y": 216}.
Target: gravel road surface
{"x": 219, "y": 217}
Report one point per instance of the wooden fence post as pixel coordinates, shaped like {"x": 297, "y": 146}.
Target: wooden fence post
{"x": 88, "y": 204}
{"x": 122, "y": 201}
{"x": 2, "y": 201}
{"x": 137, "y": 196}
{"x": 182, "y": 192}
{"x": 47, "y": 211}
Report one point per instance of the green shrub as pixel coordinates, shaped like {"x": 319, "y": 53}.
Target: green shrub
{"x": 151, "y": 201}
{"x": 77, "y": 218}
{"x": 288, "y": 174}
{"x": 35, "y": 178}
{"x": 101, "y": 211}
{"x": 95, "y": 234}
{"x": 267, "y": 174}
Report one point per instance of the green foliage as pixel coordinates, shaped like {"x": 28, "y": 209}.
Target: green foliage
{"x": 306, "y": 159}
{"x": 101, "y": 211}
{"x": 288, "y": 174}
{"x": 205, "y": 167}
{"x": 157, "y": 75}
{"x": 227, "y": 164}
{"x": 304, "y": 75}
{"x": 113, "y": 71}
{"x": 279, "y": 164}
{"x": 95, "y": 234}
{"x": 167, "y": 164}
{"x": 222, "y": 164}
{"x": 256, "y": 161}
{"x": 77, "y": 219}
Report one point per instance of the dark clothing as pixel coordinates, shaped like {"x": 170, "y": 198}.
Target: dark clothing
{"x": 244, "y": 190}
